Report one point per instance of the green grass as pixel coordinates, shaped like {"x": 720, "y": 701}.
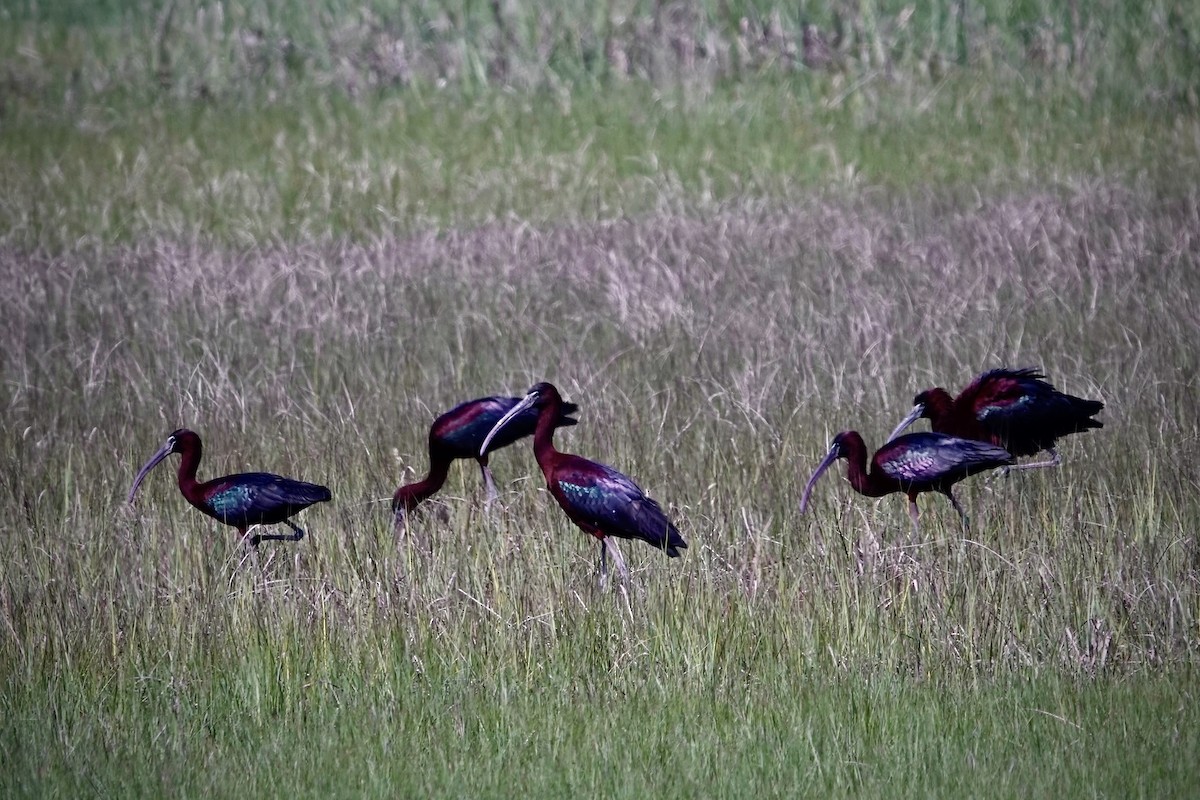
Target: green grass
{"x": 249, "y": 122}
{"x": 321, "y": 167}
{"x": 714, "y": 353}
{"x": 66, "y": 51}
{"x": 586, "y": 715}
{"x": 723, "y": 268}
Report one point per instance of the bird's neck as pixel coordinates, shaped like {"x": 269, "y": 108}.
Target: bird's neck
{"x": 189, "y": 462}
{"x": 543, "y": 436}
{"x": 411, "y": 495}
{"x": 872, "y": 484}
{"x": 868, "y": 484}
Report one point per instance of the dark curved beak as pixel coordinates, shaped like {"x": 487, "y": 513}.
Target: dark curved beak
{"x": 833, "y": 455}
{"x": 912, "y": 417}
{"x": 525, "y": 403}
{"x": 162, "y": 453}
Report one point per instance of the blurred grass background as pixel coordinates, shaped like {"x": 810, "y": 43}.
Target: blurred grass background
{"x": 246, "y": 121}
{"x": 728, "y": 231}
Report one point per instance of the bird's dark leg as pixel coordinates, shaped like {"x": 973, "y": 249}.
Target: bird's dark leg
{"x": 280, "y": 537}
{"x": 618, "y": 559}
{"x": 1054, "y": 461}
{"x": 490, "y": 483}
{"x": 914, "y": 514}
{"x": 966, "y": 522}
{"x": 603, "y": 565}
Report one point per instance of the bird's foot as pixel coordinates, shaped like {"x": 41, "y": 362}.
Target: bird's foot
{"x": 996, "y": 475}
{"x": 296, "y": 535}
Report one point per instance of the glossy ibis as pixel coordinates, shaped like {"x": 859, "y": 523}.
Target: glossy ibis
{"x": 1016, "y": 409}
{"x": 912, "y": 464}
{"x": 251, "y": 498}
{"x": 460, "y": 433}
{"x": 596, "y": 497}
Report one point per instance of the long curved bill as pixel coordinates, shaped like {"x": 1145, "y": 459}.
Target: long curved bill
{"x": 525, "y": 403}
{"x": 162, "y": 453}
{"x": 912, "y": 417}
{"x": 833, "y": 455}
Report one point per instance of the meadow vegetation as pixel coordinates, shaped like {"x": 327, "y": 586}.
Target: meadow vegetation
{"x": 230, "y": 219}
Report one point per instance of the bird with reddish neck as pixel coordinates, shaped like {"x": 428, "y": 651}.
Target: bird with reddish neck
{"x": 459, "y": 434}
{"x": 597, "y": 498}
{"x": 241, "y": 501}
{"x": 912, "y": 464}
{"x": 1016, "y": 409}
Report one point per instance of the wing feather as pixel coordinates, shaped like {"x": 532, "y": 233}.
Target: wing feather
{"x": 922, "y": 458}
{"x": 1023, "y": 410}
{"x": 599, "y": 497}
{"x": 261, "y": 497}
{"x": 463, "y": 428}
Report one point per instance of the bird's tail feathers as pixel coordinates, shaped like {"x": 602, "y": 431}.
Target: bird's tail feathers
{"x": 674, "y": 544}
{"x": 659, "y": 530}
{"x": 314, "y": 493}
{"x": 1086, "y": 409}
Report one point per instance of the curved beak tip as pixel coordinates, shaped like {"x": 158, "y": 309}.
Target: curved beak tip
{"x": 145, "y": 470}
{"x": 525, "y": 403}
{"x": 831, "y": 457}
{"x": 912, "y": 417}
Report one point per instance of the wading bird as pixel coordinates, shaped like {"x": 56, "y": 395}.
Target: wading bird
{"x": 596, "y": 497}
{"x": 1013, "y": 408}
{"x": 912, "y": 464}
{"x": 245, "y": 500}
{"x": 460, "y": 433}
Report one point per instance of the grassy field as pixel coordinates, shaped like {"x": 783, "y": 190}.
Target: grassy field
{"x": 723, "y": 272}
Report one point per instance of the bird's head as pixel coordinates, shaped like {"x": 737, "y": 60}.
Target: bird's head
{"x": 539, "y": 396}
{"x": 933, "y": 402}
{"x": 927, "y": 404}
{"x": 841, "y": 447}
{"x": 403, "y": 502}
{"x": 542, "y": 393}
{"x": 180, "y": 440}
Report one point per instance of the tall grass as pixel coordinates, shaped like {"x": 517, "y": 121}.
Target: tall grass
{"x": 728, "y": 230}
{"x": 714, "y": 350}
{"x": 319, "y": 167}
{"x": 68, "y": 52}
